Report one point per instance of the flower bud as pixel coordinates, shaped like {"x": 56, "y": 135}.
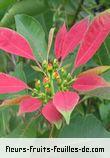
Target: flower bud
{"x": 59, "y": 81}
{"x": 65, "y": 88}
{"x": 37, "y": 83}
{"x": 49, "y": 67}
{"x": 62, "y": 70}
{"x": 47, "y": 89}
{"x": 55, "y": 64}
{"x": 65, "y": 82}
{"x": 69, "y": 77}
{"x": 44, "y": 64}
{"x": 42, "y": 96}
{"x": 35, "y": 92}
{"x": 56, "y": 75}
{"x": 64, "y": 73}
{"x": 46, "y": 80}
{"x": 46, "y": 85}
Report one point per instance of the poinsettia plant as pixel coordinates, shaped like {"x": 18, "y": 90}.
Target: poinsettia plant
{"x": 58, "y": 92}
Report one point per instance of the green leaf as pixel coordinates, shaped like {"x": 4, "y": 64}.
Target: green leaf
{"x": 67, "y": 115}
{"x": 22, "y": 131}
{"x": 103, "y": 92}
{"x": 4, "y": 122}
{"x": 84, "y": 127}
{"x": 19, "y": 72}
{"x": 31, "y": 74}
{"x": 58, "y": 124}
{"x": 106, "y": 76}
{"x": 104, "y": 110}
{"x": 31, "y": 7}
{"x": 6, "y": 3}
{"x": 36, "y": 68}
{"x": 33, "y": 32}
{"x": 102, "y": 57}
{"x": 3, "y": 61}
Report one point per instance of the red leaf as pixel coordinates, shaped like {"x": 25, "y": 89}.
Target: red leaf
{"x": 13, "y": 101}
{"x": 29, "y": 105}
{"x": 51, "y": 114}
{"x": 9, "y": 84}
{"x": 95, "y": 71}
{"x": 89, "y": 82}
{"x": 74, "y": 37}
{"x": 59, "y": 41}
{"x": 65, "y": 102}
{"x": 14, "y": 43}
{"x": 94, "y": 37}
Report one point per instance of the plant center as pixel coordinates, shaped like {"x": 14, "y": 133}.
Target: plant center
{"x": 55, "y": 79}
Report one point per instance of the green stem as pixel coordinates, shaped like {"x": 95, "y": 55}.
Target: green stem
{"x": 86, "y": 10}
{"x": 72, "y": 70}
{"x": 72, "y": 80}
{"x": 52, "y": 85}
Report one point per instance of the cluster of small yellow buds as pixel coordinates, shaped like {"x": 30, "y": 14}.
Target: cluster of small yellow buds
{"x": 54, "y": 76}
{"x": 46, "y": 83}
{"x": 50, "y": 66}
{"x": 36, "y": 90}
{"x": 65, "y": 79}
{"x": 57, "y": 77}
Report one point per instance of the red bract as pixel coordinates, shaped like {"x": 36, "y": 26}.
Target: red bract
{"x": 89, "y": 82}
{"x": 94, "y": 37}
{"x": 14, "y": 43}
{"x": 51, "y": 114}
{"x": 74, "y": 37}
{"x": 29, "y": 104}
{"x": 66, "y": 42}
{"x": 95, "y": 71}
{"x": 65, "y": 102}
{"x": 59, "y": 41}
{"x": 10, "y": 84}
